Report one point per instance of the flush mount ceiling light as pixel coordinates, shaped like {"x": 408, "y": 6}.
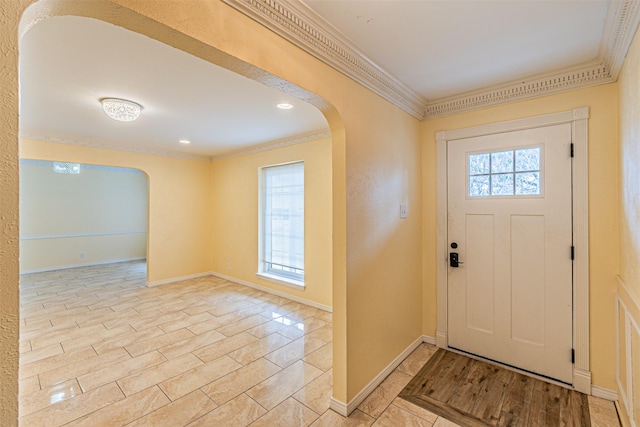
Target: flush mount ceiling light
{"x": 184, "y": 141}
{"x": 284, "y": 106}
{"x": 121, "y": 109}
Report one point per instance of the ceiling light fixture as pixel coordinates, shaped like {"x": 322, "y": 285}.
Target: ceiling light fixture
{"x": 184, "y": 141}
{"x": 121, "y": 109}
{"x": 285, "y": 106}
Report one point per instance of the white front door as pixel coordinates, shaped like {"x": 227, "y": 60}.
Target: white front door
{"x": 509, "y": 221}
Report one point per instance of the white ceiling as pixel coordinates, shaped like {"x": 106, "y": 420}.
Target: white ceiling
{"x": 67, "y": 64}
{"x": 433, "y": 49}
{"x": 443, "y": 48}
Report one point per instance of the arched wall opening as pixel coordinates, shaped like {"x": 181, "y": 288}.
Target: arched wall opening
{"x": 376, "y": 255}
{"x": 128, "y": 19}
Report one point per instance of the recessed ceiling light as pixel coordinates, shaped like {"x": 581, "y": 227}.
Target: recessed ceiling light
{"x": 285, "y": 106}
{"x": 121, "y": 109}
{"x": 184, "y": 141}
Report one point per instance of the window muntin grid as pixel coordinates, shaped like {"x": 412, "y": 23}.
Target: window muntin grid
{"x": 505, "y": 173}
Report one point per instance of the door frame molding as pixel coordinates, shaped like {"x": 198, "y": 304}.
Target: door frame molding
{"x": 578, "y": 118}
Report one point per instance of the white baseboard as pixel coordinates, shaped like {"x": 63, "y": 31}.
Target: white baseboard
{"x": 582, "y": 380}
{"x": 345, "y": 409}
{"x": 604, "y": 393}
{"x": 177, "y": 279}
{"x": 369, "y": 388}
{"x": 339, "y": 407}
{"x": 88, "y": 264}
{"x": 429, "y": 340}
{"x": 274, "y": 292}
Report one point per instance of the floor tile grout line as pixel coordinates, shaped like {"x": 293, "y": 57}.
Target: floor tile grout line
{"x": 252, "y": 309}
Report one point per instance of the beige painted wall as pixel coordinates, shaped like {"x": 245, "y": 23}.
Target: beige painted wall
{"x": 629, "y": 216}
{"x": 603, "y": 208}
{"x": 629, "y": 93}
{"x": 383, "y": 251}
{"x": 234, "y": 218}
{"x": 96, "y": 216}
{"x": 179, "y": 203}
{"x": 377, "y": 269}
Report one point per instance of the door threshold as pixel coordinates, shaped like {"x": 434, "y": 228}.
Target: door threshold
{"x": 512, "y": 368}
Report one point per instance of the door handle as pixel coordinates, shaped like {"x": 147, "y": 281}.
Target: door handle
{"x": 453, "y": 260}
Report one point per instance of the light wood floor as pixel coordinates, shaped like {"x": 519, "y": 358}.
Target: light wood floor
{"x": 480, "y": 394}
{"x": 98, "y": 348}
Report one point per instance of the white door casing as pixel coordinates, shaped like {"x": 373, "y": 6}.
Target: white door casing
{"x": 578, "y": 120}
{"x": 510, "y": 300}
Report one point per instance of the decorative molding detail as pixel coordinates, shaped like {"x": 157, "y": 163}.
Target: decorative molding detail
{"x": 302, "y": 26}
{"x": 627, "y": 333}
{"x": 578, "y": 120}
{"x": 280, "y": 143}
{"x": 604, "y": 393}
{"x": 375, "y": 382}
{"x": 581, "y": 113}
{"x": 274, "y": 292}
{"x": 621, "y": 24}
{"x": 88, "y": 264}
{"x": 621, "y": 309}
{"x": 299, "y": 24}
{"x": 534, "y": 87}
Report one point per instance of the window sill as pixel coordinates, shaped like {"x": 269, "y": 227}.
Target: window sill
{"x": 281, "y": 280}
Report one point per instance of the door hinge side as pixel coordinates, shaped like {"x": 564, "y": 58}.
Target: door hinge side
{"x": 573, "y": 355}
{"x": 572, "y": 149}
{"x": 573, "y": 253}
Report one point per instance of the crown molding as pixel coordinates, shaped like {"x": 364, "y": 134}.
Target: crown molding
{"x": 535, "y": 87}
{"x": 105, "y": 145}
{"x": 300, "y": 25}
{"x": 621, "y": 24}
{"x": 280, "y": 143}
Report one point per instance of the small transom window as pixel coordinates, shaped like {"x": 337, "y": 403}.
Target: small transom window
{"x": 505, "y": 173}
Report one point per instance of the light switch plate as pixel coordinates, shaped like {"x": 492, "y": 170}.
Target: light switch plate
{"x": 403, "y": 210}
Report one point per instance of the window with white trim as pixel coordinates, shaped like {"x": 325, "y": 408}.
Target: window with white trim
{"x": 282, "y": 222}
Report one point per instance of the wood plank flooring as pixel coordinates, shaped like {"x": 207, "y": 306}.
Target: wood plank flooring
{"x": 474, "y": 393}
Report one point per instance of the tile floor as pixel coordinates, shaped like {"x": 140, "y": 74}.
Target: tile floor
{"x": 98, "y": 348}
